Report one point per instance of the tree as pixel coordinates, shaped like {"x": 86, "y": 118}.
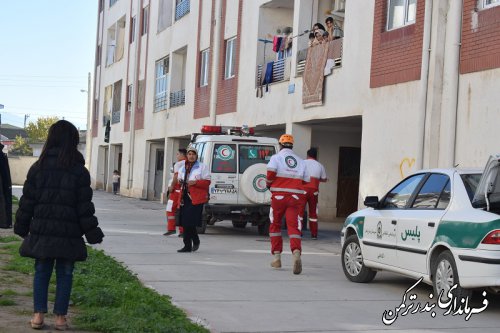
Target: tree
{"x": 21, "y": 147}
{"x": 37, "y": 132}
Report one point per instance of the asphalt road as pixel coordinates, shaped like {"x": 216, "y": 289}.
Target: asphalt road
{"x": 228, "y": 285}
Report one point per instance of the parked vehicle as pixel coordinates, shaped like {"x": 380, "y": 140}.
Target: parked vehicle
{"x": 237, "y": 160}
{"x": 441, "y": 224}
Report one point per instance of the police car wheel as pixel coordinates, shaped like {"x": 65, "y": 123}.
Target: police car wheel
{"x": 445, "y": 276}
{"x": 352, "y": 262}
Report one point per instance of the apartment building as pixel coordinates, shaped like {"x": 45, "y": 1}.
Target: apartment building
{"x": 404, "y": 85}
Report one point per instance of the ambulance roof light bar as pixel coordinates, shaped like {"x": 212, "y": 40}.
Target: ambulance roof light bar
{"x": 228, "y": 130}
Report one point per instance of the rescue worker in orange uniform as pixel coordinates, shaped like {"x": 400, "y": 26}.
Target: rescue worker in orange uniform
{"x": 317, "y": 174}
{"x": 286, "y": 175}
{"x": 175, "y": 194}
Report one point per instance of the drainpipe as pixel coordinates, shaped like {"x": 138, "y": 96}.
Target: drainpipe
{"x": 425, "y": 77}
{"x": 135, "y": 95}
{"x": 215, "y": 62}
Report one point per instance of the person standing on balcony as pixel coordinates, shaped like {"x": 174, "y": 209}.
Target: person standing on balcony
{"x": 174, "y": 190}
{"x": 194, "y": 177}
{"x": 286, "y": 175}
{"x": 329, "y": 27}
{"x": 317, "y": 174}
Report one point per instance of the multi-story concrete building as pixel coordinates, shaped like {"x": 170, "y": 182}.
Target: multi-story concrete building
{"x": 412, "y": 84}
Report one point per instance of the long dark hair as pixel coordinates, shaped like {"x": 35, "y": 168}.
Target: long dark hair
{"x": 64, "y": 136}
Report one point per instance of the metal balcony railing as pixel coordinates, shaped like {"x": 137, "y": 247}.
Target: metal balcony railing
{"x": 177, "y": 98}
{"x": 280, "y": 69}
{"x": 181, "y": 9}
{"x": 115, "y": 117}
{"x": 334, "y": 52}
{"x": 161, "y": 102}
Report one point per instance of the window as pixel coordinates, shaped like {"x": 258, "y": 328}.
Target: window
{"x": 101, "y": 5}
{"x": 204, "y": 68}
{"x": 471, "y": 182}
{"x": 444, "y": 200}
{"x": 115, "y": 42}
{"x": 230, "y": 58}
{"x": 112, "y": 2}
{"x": 161, "y": 84}
{"x": 253, "y": 154}
{"x": 132, "y": 30}
{"x": 398, "y": 197}
{"x": 401, "y": 13}
{"x": 117, "y": 102}
{"x": 201, "y": 151}
{"x": 145, "y": 22}
{"x": 490, "y": 3}
{"x": 224, "y": 158}
{"x": 98, "y": 55}
{"x": 429, "y": 195}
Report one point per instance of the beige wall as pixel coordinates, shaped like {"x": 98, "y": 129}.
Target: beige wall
{"x": 19, "y": 167}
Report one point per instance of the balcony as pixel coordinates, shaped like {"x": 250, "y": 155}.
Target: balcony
{"x": 182, "y": 9}
{"x": 334, "y": 53}
{"x": 115, "y": 117}
{"x": 281, "y": 71}
{"x": 177, "y": 98}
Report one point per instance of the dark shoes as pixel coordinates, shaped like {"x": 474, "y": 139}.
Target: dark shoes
{"x": 196, "y": 247}
{"x": 184, "y": 249}
{"x": 169, "y": 233}
{"x": 181, "y": 235}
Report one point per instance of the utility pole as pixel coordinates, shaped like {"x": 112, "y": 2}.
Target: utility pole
{"x": 26, "y": 116}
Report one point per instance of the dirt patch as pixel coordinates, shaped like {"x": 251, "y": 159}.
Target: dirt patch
{"x": 16, "y": 300}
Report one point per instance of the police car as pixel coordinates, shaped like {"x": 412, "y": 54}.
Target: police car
{"x": 441, "y": 224}
{"x": 237, "y": 160}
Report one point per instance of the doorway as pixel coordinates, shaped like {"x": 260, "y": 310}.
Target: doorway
{"x": 348, "y": 180}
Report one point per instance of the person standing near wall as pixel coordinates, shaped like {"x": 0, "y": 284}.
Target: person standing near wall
{"x": 55, "y": 211}
{"x": 286, "y": 175}
{"x": 174, "y": 197}
{"x": 317, "y": 174}
{"x": 195, "y": 180}
{"x": 116, "y": 181}
{"x": 5, "y": 191}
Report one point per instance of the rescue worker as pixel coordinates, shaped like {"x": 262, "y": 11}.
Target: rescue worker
{"x": 317, "y": 174}
{"x": 286, "y": 175}
{"x": 174, "y": 197}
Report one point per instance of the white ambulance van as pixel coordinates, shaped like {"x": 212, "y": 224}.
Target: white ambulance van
{"x": 237, "y": 160}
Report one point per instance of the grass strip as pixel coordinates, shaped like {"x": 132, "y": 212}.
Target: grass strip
{"x": 110, "y": 298}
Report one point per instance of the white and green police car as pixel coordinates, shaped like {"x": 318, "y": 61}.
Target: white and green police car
{"x": 441, "y": 224}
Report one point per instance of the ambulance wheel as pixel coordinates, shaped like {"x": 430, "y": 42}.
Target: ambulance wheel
{"x": 352, "y": 262}
{"x": 263, "y": 228}
{"x": 239, "y": 224}
{"x": 204, "y": 221}
{"x": 445, "y": 277}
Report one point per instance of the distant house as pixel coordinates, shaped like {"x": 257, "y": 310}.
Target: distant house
{"x": 8, "y": 135}
{"x": 38, "y": 146}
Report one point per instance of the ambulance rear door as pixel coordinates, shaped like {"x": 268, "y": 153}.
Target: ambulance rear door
{"x": 224, "y": 168}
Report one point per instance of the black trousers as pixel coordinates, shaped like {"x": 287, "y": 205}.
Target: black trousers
{"x": 190, "y": 237}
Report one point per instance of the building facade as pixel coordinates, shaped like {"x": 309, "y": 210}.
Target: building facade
{"x": 403, "y": 85}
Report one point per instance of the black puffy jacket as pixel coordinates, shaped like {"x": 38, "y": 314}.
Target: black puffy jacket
{"x": 55, "y": 211}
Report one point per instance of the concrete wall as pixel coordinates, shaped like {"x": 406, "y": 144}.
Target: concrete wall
{"x": 19, "y": 167}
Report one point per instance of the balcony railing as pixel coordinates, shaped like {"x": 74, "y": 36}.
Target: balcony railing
{"x": 281, "y": 71}
{"x": 115, "y": 117}
{"x": 181, "y": 9}
{"x": 334, "y": 52}
{"x": 177, "y": 98}
{"x": 161, "y": 101}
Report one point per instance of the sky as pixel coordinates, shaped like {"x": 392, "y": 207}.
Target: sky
{"x": 47, "y": 49}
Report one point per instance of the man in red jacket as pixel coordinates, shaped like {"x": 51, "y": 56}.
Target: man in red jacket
{"x": 317, "y": 174}
{"x": 286, "y": 175}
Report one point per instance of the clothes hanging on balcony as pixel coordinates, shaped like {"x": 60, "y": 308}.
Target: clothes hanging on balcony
{"x": 268, "y": 77}
{"x": 277, "y": 43}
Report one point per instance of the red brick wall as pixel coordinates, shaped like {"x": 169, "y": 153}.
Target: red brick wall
{"x": 480, "y": 45}
{"x": 396, "y": 54}
{"x": 202, "y": 94}
{"x": 227, "y": 93}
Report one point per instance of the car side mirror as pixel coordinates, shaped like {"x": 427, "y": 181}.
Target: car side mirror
{"x": 371, "y": 201}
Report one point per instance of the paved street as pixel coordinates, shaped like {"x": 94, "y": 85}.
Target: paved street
{"x": 229, "y": 287}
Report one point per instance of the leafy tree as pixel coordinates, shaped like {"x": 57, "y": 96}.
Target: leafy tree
{"x": 21, "y": 147}
{"x": 37, "y": 132}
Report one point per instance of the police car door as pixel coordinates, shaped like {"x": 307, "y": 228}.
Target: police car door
{"x": 224, "y": 169}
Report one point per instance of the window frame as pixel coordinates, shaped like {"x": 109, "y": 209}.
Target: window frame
{"x": 484, "y": 5}
{"x": 162, "y": 81}
{"x": 133, "y": 23}
{"x": 406, "y": 21}
{"x": 230, "y": 59}
{"x": 257, "y": 146}
{"x": 440, "y": 195}
{"x": 214, "y": 158}
{"x": 145, "y": 20}
{"x": 204, "y": 65}
{"x": 411, "y": 197}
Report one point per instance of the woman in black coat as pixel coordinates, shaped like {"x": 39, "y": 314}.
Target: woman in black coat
{"x": 55, "y": 211}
